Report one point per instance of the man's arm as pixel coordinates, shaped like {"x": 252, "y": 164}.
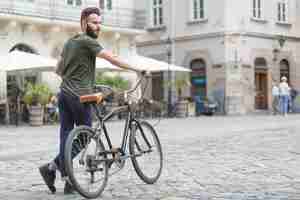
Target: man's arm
{"x": 113, "y": 59}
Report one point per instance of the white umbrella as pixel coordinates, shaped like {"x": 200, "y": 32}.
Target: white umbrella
{"x": 19, "y": 60}
{"x": 153, "y": 65}
{"x": 104, "y": 65}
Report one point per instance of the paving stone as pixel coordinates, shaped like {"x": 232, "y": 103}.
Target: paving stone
{"x": 205, "y": 158}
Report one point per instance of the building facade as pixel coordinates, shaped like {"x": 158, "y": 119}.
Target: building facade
{"x": 236, "y": 49}
{"x": 42, "y": 27}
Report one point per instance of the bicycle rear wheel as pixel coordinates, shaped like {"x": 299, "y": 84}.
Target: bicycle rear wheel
{"x": 85, "y": 167}
{"x": 146, "y": 151}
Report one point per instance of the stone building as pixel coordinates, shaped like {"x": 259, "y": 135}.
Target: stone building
{"x": 42, "y": 27}
{"x": 235, "y": 48}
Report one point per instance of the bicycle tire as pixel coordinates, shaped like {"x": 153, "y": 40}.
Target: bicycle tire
{"x": 138, "y": 145}
{"x": 79, "y": 135}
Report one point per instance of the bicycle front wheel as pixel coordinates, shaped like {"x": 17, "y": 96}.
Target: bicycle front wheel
{"x": 85, "y": 165}
{"x": 146, "y": 152}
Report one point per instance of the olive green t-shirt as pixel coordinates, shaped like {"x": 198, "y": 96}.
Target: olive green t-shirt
{"x": 78, "y": 64}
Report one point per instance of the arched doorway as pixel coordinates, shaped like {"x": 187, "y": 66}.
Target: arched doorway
{"x": 261, "y": 84}
{"x": 285, "y": 69}
{"x": 23, "y": 47}
{"x": 198, "y": 78}
{"x": 28, "y": 77}
{"x": 16, "y": 85}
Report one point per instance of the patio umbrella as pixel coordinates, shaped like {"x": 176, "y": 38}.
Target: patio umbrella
{"x": 19, "y": 61}
{"x": 104, "y": 65}
{"x": 153, "y": 65}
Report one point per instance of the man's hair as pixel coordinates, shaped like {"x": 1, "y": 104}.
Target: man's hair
{"x": 88, "y": 11}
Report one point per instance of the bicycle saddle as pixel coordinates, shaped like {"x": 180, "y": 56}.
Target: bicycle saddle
{"x": 92, "y": 98}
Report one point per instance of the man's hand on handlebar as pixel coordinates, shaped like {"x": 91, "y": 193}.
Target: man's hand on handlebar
{"x": 144, "y": 73}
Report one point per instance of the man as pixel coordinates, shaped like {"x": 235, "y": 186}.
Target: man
{"x": 275, "y": 95}
{"x": 77, "y": 69}
{"x": 284, "y": 92}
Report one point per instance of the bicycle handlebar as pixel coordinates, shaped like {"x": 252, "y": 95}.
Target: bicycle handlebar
{"x": 143, "y": 75}
{"x": 110, "y": 91}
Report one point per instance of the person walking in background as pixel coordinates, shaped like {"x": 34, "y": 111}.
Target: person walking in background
{"x": 293, "y": 95}
{"x": 275, "y": 99}
{"x": 284, "y": 93}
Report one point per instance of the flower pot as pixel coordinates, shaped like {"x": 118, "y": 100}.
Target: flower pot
{"x": 191, "y": 109}
{"x": 36, "y": 114}
{"x": 182, "y": 108}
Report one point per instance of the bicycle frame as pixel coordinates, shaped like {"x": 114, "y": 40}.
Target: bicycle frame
{"x": 103, "y": 119}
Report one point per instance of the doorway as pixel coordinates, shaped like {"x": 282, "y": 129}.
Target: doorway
{"x": 261, "y": 84}
{"x": 198, "y": 79}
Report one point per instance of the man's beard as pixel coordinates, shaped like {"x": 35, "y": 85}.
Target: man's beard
{"x": 91, "y": 33}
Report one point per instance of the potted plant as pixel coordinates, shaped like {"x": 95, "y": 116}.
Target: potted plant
{"x": 117, "y": 82}
{"x": 36, "y": 97}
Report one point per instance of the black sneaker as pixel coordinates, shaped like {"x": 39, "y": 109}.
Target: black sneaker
{"x": 69, "y": 189}
{"x": 48, "y": 177}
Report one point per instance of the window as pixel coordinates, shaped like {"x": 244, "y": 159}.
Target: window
{"x": 74, "y": 2}
{"x": 285, "y": 69}
{"x": 157, "y": 13}
{"x": 198, "y": 9}
{"x": 105, "y": 4}
{"x": 257, "y": 9}
{"x": 282, "y": 9}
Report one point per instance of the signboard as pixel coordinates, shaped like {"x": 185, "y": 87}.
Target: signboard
{"x": 3, "y": 87}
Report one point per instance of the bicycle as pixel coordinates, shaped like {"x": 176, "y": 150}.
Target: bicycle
{"x": 85, "y": 148}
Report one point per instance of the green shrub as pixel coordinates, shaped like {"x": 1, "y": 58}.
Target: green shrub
{"x": 116, "y": 82}
{"x": 36, "y": 94}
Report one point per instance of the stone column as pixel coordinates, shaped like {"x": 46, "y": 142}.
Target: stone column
{"x": 233, "y": 93}
{"x": 233, "y": 81}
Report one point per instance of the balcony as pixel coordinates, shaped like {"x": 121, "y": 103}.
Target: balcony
{"x": 59, "y": 10}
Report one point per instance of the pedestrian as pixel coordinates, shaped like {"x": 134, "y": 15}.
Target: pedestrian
{"x": 284, "y": 93}
{"x": 275, "y": 98}
{"x": 77, "y": 69}
{"x": 293, "y": 95}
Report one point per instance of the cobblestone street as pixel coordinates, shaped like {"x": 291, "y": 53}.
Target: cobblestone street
{"x": 218, "y": 158}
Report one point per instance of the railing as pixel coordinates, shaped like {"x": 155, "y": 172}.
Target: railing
{"x": 59, "y": 10}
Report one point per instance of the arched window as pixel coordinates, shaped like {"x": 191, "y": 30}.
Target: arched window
{"x": 285, "y": 69}
{"x": 31, "y": 77}
{"x": 198, "y": 78}
{"x": 23, "y": 47}
{"x": 260, "y": 63}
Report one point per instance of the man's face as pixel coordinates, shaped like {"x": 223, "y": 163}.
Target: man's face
{"x": 93, "y": 23}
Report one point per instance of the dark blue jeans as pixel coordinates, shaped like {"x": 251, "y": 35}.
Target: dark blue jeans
{"x": 71, "y": 112}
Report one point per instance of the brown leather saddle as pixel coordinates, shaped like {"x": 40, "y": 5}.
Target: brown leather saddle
{"x": 92, "y": 98}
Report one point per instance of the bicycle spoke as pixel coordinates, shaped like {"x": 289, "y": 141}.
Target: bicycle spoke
{"x": 87, "y": 175}
{"x": 145, "y": 147}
